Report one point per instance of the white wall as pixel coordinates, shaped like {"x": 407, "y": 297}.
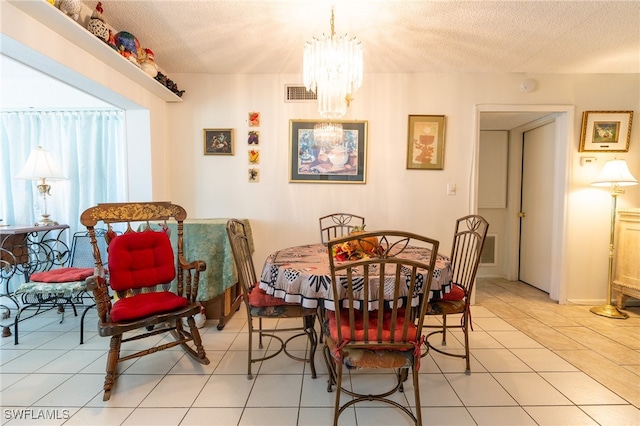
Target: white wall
{"x": 283, "y": 213}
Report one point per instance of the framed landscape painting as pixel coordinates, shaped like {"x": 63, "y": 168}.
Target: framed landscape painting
{"x": 315, "y": 161}
{"x": 605, "y": 131}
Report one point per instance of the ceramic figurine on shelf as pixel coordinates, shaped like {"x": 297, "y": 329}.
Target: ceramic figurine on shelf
{"x": 128, "y": 46}
{"x": 97, "y": 26}
{"x": 147, "y": 63}
{"x": 71, "y": 8}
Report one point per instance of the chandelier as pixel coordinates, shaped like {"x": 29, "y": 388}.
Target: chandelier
{"x": 332, "y": 68}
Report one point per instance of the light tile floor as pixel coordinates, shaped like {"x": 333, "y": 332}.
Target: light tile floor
{"x": 534, "y": 362}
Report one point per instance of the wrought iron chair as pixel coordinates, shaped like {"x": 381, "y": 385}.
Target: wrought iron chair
{"x": 468, "y": 241}
{"x": 372, "y": 325}
{"x": 261, "y": 306}
{"x": 61, "y": 286}
{"x": 142, "y": 266}
{"x": 337, "y": 225}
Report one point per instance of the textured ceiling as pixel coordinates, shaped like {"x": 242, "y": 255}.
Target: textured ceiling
{"x": 267, "y": 36}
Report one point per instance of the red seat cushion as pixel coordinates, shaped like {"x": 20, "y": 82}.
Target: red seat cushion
{"x": 456, "y": 293}
{"x": 373, "y": 326}
{"x": 140, "y": 259}
{"x": 62, "y": 275}
{"x": 146, "y": 304}
{"x": 259, "y": 298}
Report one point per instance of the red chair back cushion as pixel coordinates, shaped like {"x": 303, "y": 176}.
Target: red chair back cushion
{"x": 140, "y": 259}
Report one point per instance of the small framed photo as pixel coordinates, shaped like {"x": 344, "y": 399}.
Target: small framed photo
{"x": 253, "y": 137}
{"x": 313, "y": 160}
{"x": 254, "y": 175}
{"x": 254, "y": 119}
{"x": 218, "y": 141}
{"x": 605, "y": 131}
{"x": 425, "y": 142}
{"x": 254, "y": 156}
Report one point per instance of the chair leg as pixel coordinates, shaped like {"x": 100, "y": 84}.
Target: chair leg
{"x": 260, "y": 333}
{"x": 416, "y": 394}
{"x": 112, "y": 364}
{"x": 199, "y": 354}
{"x": 336, "y": 410}
{"x": 444, "y": 330}
{"x": 309, "y": 325}
{"x": 465, "y": 330}
{"x": 331, "y": 367}
{"x": 249, "y": 374}
{"x": 82, "y": 322}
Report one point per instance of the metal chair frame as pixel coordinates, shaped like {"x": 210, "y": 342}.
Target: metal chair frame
{"x": 468, "y": 242}
{"x": 360, "y": 281}
{"x": 248, "y": 279}
{"x": 337, "y": 225}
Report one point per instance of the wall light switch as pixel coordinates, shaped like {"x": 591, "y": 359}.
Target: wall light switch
{"x": 451, "y": 188}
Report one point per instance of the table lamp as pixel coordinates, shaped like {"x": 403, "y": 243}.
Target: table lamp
{"x": 614, "y": 174}
{"x": 41, "y": 166}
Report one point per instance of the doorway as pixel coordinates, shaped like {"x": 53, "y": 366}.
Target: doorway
{"x": 558, "y": 162}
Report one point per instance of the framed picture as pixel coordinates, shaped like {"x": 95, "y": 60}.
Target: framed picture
{"x": 218, "y": 141}
{"x": 425, "y": 142}
{"x": 316, "y": 161}
{"x": 605, "y": 131}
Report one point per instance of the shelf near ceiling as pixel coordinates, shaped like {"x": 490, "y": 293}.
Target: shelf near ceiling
{"x": 71, "y": 30}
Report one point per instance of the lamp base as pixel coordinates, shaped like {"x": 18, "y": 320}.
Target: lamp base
{"x": 609, "y": 311}
{"x": 45, "y": 221}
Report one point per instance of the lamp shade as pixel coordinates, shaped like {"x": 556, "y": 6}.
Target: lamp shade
{"x": 615, "y": 173}
{"x": 40, "y": 165}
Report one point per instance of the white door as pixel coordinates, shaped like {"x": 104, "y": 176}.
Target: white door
{"x": 536, "y": 206}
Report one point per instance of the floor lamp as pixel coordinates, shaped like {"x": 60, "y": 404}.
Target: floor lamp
{"x": 614, "y": 174}
{"x": 41, "y": 166}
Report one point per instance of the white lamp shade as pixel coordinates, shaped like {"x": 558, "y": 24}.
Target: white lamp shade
{"x": 40, "y": 165}
{"x": 615, "y": 172}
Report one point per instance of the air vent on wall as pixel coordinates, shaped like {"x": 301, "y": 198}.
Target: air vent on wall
{"x": 488, "y": 255}
{"x": 298, "y": 94}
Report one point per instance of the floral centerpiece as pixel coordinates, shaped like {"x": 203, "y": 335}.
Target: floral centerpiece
{"x": 358, "y": 248}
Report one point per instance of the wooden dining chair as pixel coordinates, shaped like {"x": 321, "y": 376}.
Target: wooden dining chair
{"x": 377, "y": 316}
{"x": 337, "y": 225}
{"x": 468, "y": 241}
{"x": 263, "y": 307}
{"x": 141, "y": 267}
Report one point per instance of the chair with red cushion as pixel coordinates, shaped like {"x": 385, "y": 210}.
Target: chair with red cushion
{"x": 154, "y": 288}
{"x": 377, "y": 326}
{"x": 468, "y": 241}
{"x": 60, "y": 286}
{"x": 262, "y": 307}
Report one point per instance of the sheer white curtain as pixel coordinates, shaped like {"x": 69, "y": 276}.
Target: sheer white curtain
{"x": 90, "y": 148}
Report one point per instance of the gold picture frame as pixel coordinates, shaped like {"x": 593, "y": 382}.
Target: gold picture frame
{"x": 425, "y": 142}
{"x": 605, "y": 131}
{"x": 218, "y": 141}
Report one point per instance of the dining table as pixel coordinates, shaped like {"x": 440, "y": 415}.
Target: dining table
{"x": 301, "y": 274}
